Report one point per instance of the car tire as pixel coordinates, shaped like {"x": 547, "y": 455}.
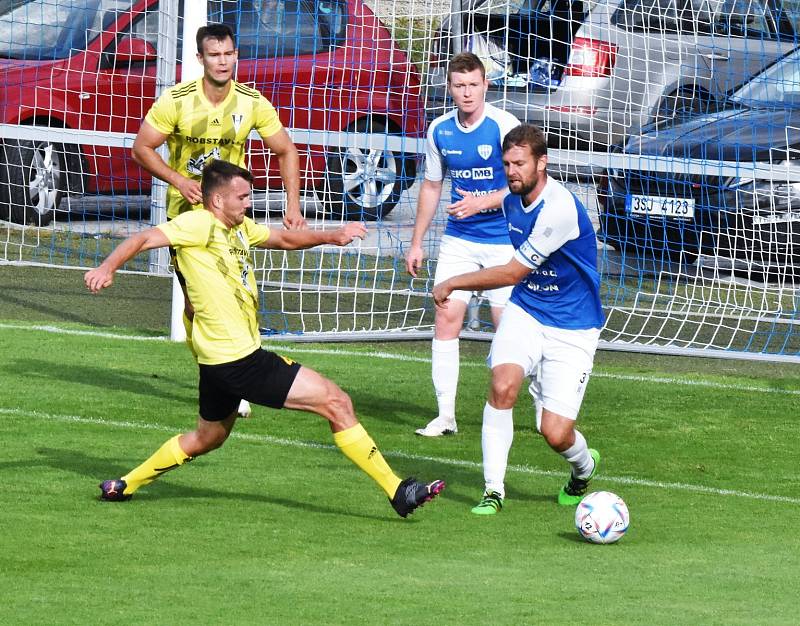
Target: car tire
{"x": 365, "y": 185}
{"x": 680, "y": 103}
{"x": 34, "y": 176}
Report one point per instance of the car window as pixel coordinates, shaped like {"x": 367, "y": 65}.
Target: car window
{"x": 788, "y": 16}
{"x": 779, "y": 84}
{"x": 146, "y": 27}
{"x": 742, "y": 18}
{"x": 507, "y": 7}
{"x": 735, "y": 18}
{"x": 51, "y": 29}
{"x": 276, "y": 28}
{"x": 514, "y": 7}
{"x": 264, "y": 28}
{"x": 661, "y": 16}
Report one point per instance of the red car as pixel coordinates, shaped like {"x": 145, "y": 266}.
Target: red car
{"x": 328, "y": 66}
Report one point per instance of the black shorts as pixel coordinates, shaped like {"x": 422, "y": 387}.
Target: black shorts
{"x": 262, "y": 378}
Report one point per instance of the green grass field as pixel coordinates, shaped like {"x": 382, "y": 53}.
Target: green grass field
{"x": 277, "y": 527}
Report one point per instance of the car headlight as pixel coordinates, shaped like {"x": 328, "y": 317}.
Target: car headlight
{"x": 768, "y": 200}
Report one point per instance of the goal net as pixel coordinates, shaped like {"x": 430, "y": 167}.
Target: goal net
{"x": 676, "y": 122}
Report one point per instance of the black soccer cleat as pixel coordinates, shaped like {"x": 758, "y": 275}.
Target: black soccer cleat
{"x": 572, "y": 493}
{"x": 411, "y": 494}
{"x": 113, "y": 490}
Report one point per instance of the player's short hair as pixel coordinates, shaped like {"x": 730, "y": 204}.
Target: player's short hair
{"x": 526, "y": 135}
{"x": 220, "y": 32}
{"x": 219, "y": 173}
{"x": 465, "y": 62}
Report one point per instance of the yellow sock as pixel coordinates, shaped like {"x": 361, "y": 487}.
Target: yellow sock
{"x": 167, "y": 457}
{"x": 187, "y": 325}
{"x": 356, "y": 444}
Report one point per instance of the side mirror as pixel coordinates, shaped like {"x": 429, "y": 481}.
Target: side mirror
{"x": 133, "y": 50}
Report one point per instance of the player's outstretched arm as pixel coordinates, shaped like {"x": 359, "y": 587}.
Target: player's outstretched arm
{"x": 488, "y": 278}
{"x": 301, "y": 239}
{"x": 103, "y": 275}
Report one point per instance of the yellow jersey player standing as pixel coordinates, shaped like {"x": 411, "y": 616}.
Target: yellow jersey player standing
{"x": 213, "y": 248}
{"x": 208, "y": 119}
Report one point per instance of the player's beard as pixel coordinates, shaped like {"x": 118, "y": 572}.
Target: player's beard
{"x": 525, "y": 187}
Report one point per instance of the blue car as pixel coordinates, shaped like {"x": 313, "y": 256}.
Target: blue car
{"x": 746, "y": 209}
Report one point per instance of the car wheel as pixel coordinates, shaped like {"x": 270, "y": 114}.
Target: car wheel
{"x": 682, "y": 103}
{"x": 33, "y": 179}
{"x": 365, "y": 184}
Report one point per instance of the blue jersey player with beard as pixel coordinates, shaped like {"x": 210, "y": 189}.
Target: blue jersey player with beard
{"x": 466, "y": 143}
{"x": 549, "y": 329}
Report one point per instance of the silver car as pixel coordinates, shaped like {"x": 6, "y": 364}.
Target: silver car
{"x": 591, "y": 73}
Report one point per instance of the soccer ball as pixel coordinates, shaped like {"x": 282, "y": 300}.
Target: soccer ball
{"x": 602, "y": 517}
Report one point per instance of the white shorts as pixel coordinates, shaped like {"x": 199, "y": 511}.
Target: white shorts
{"x": 558, "y": 361}
{"x": 459, "y": 256}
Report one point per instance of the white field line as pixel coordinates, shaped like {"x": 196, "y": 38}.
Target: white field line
{"x": 295, "y": 349}
{"x": 522, "y": 469}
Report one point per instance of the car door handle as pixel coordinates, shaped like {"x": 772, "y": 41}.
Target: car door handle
{"x": 716, "y": 56}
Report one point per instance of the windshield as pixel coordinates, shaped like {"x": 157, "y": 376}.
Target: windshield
{"x": 51, "y": 29}
{"x": 778, "y": 85}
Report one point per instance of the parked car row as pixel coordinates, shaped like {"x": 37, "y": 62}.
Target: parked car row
{"x": 710, "y": 80}
{"x": 680, "y": 216}
{"x": 593, "y": 73}
{"x": 326, "y": 65}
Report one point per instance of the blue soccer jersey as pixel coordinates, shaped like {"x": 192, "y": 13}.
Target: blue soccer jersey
{"x": 473, "y": 156}
{"x": 556, "y": 239}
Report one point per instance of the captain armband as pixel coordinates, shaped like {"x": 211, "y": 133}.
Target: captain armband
{"x": 529, "y": 253}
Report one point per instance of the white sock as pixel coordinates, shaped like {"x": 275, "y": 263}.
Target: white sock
{"x": 578, "y": 457}
{"x": 496, "y": 437}
{"x": 444, "y": 371}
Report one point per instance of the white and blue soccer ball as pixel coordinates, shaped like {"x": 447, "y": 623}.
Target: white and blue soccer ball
{"x": 602, "y": 517}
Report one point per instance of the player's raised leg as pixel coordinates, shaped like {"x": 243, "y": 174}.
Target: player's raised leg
{"x": 313, "y": 392}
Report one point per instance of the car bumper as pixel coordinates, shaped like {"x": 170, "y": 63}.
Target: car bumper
{"x": 724, "y": 224}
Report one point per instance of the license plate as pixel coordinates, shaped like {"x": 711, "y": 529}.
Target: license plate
{"x": 658, "y": 206}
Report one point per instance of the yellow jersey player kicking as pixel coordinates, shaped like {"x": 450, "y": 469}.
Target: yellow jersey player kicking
{"x": 213, "y": 250}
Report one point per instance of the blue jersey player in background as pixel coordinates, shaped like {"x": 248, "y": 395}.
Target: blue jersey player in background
{"x": 467, "y": 144}
{"x": 551, "y": 325}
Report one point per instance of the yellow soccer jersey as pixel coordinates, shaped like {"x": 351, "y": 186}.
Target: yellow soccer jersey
{"x": 218, "y": 268}
{"x": 199, "y": 132}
